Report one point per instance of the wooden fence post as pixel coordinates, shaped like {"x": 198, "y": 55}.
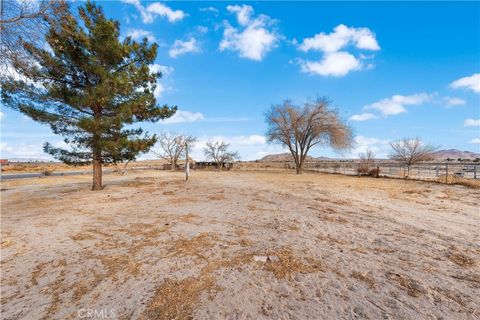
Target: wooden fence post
{"x": 446, "y": 173}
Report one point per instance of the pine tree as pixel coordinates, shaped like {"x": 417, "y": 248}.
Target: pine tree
{"x": 88, "y": 88}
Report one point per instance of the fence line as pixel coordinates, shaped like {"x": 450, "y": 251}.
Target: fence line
{"x": 433, "y": 171}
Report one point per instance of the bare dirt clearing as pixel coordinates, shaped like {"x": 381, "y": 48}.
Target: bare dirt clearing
{"x": 246, "y": 245}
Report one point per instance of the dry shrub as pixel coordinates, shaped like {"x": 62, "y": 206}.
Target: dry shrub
{"x": 364, "y": 278}
{"x": 288, "y": 264}
{"x": 411, "y": 286}
{"x": 374, "y": 172}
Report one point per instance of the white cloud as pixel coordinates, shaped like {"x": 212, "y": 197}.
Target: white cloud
{"x": 209, "y": 9}
{"x": 2, "y": 115}
{"x": 160, "y": 87}
{"x": 243, "y": 13}
{"x": 453, "y": 101}
{"x": 181, "y": 47}
{"x": 397, "y": 103}
{"x": 472, "y": 123}
{"x": 23, "y": 151}
{"x": 184, "y": 116}
{"x": 336, "y": 61}
{"x": 165, "y": 70}
{"x": 378, "y": 146}
{"x": 255, "y": 37}
{"x": 202, "y": 29}
{"x": 335, "y": 64}
{"x": 139, "y": 34}
{"x": 250, "y": 147}
{"x": 472, "y": 82}
{"x": 475, "y": 141}
{"x": 342, "y": 36}
{"x": 362, "y": 117}
{"x": 155, "y": 9}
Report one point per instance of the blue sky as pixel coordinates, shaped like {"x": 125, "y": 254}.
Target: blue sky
{"x": 393, "y": 70}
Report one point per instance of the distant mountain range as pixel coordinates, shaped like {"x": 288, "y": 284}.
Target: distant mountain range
{"x": 287, "y": 156}
{"x": 455, "y": 154}
{"x": 439, "y": 155}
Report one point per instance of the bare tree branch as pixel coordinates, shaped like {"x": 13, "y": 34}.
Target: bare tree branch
{"x": 301, "y": 128}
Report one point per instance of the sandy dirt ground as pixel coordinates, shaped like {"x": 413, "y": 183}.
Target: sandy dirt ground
{"x": 239, "y": 245}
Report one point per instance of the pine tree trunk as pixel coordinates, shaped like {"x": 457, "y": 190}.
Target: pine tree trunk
{"x": 97, "y": 171}
{"x": 97, "y": 175}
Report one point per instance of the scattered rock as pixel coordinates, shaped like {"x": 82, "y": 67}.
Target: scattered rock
{"x": 265, "y": 258}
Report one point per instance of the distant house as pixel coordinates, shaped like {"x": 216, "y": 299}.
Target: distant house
{"x": 4, "y": 162}
{"x": 213, "y": 165}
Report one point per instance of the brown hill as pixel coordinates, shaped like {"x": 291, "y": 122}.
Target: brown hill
{"x": 455, "y": 154}
{"x": 282, "y": 157}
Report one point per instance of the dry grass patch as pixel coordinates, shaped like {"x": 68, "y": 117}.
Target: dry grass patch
{"x": 460, "y": 259}
{"x": 176, "y": 299}
{"x": 411, "y": 286}
{"x": 117, "y": 264}
{"x": 194, "y": 246}
{"x": 288, "y": 264}
{"x": 364, "y": 278}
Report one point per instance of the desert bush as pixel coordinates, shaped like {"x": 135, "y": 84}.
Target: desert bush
{"x": 374, "y": 172}
{"x": 362, "y": 170}
{"x": 452, "y": 179}
{"x": 47, "y": 172}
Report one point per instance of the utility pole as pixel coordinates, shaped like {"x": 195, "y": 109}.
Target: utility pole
{"x": 187, "y": 162}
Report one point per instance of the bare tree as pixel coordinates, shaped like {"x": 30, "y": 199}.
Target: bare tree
{"x": 301, "y": 128}
{"x": 366, "y": 161}
{"x": 412, "y": 151}
{"x": 173, "y": 146}
{"x": 25, "y": 21}
{"x": 219, "y": 153}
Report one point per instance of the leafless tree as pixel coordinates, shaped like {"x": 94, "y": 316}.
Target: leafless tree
{"x": 412, "y": 151}
{"x": 301, "y": 128}
{"x": 173, "y": 146}
{"x": 366, "y": 161}
{"x": 219, "y": 153}
{"x": 25, "y": 21}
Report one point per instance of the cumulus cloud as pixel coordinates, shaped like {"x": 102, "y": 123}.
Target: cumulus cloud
{"x": 165, "y": 71}
{"x": 156, "y": 9}
{"x": 341, "y": 37}
{"x": 475, "y": 141}
{"x": 453, "y": 101}
{"x": 181, "y": 47}
{"x": 472, "y": 82}
{"x": 250, "y": 147}
{"x": 336, "y": 61}
{"x": 472, "y": 123}
{"x": 2, "y": 115}
{"x": 378, "y": 146}
{"x": 397, "y": 103}
{"x": 23, "y": 151}
{"x": 255, "y": 37}
{"x": 362, "y": 117}
{"x": 184, "y": 116}
{"x": 335, "y": 64}
{"x": 139, "y": 34}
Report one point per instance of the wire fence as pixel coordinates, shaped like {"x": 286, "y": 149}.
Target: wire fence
{"x": 421, "y": 171}
{"x": 431, "y": 171}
